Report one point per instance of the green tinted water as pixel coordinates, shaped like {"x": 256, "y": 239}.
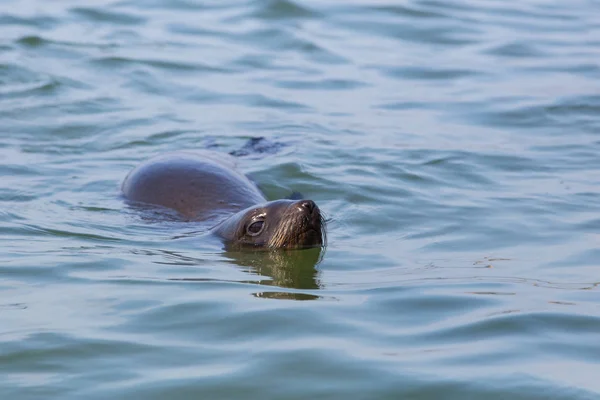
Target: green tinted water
{"x": 454, "y": 147}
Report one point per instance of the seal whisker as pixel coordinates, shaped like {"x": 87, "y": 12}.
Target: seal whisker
{"x": 324, "y": 230}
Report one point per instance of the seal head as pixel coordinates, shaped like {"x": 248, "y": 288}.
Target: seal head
{"x": 291, "y": 224}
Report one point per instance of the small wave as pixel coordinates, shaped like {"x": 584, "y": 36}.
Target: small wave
{"x": 282, "y": 10}
{"x": 105, "y": 16}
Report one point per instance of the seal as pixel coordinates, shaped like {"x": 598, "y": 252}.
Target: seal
{"x": 206, "y": 187}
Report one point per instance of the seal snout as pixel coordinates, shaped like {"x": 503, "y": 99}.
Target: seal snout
{"x": 299, "y": 224}
{"x": 310, "y": 215}
{"x": 307, "y": 206}
{"x": 309, "y": 212}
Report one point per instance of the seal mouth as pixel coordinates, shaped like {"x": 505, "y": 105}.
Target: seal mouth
{"x": 313, "y": 237}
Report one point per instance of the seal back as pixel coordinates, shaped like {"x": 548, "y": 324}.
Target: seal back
{"x": 194, "y": 184}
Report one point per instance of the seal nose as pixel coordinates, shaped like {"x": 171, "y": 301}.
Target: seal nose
{"x": 307, "y": 205}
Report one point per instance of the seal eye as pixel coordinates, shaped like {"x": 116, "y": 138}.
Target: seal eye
{"x": 255, "y": 228}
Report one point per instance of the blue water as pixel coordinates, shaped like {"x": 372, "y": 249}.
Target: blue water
{"x": 454, "y": 147}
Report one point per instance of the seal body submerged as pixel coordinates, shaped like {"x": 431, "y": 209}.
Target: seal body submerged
{"x": 202, "y": 186}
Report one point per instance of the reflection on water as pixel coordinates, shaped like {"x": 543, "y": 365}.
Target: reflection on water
{"x": 294, "y": 269}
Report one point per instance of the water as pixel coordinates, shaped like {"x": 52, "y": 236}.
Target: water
{"x": 453, "y": 145}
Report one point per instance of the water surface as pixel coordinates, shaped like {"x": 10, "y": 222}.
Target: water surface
{"x": 453, "y": 145}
